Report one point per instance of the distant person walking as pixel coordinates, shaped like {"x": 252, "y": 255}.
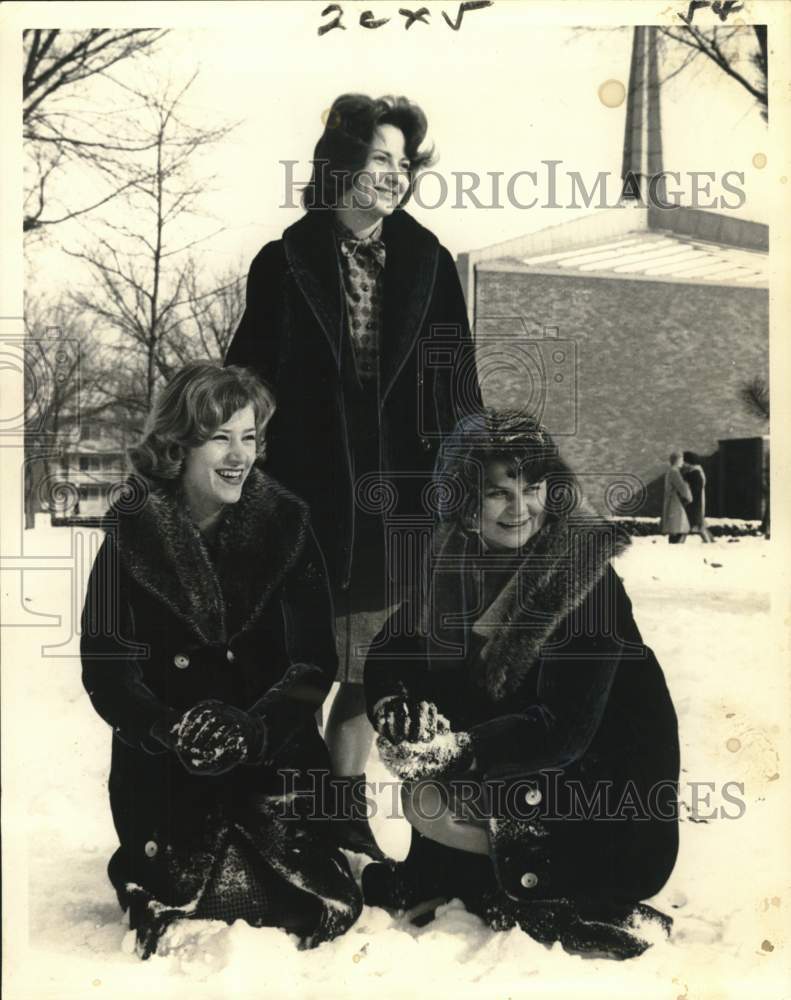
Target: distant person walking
{"x": 694, "y": 476}
{"x": 675, "y": 523}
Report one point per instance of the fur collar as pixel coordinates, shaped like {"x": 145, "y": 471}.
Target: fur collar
{"x": 565, "y": 561}
{"x": 409, "y": 278}
{"x": 258, "y": 540}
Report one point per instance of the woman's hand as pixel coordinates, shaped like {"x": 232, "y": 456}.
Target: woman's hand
{"x": 212, "y": 738}
{"x": 398, "y": 720}
{"x": 448, "y": 753}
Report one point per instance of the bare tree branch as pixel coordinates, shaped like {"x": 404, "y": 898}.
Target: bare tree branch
{"x": 726, "y": 47}
{"x": 723, "y": 47}
{"x": 56, "y": 64}
{"x": 84, "y": 54}
{"x": 145, "y": 278}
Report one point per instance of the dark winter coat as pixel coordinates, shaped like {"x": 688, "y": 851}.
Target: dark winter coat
{"x": 677, "y": 496}
{"x": 294, "y": 335}
{"x": 166, "y": 625}
{"x": 695, "y": 478}
{"x": 554, "y": 684}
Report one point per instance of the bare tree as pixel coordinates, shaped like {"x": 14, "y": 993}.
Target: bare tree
{"x": 60, "y": 129}
{"x": 63, "y": 380}
{"x": 740, "y": 52}
{"x": 214, "y": 314}
{"x": 145, "y": 285}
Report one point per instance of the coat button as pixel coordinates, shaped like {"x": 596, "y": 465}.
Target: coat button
{"x": 230, "y": 656}
{"x": 181, "y": 660}
{"x": 426, "y": 445}
{"x": 151, "y": 849}
{"x": 533, "y": 797}
{"x": 529, "y": 880}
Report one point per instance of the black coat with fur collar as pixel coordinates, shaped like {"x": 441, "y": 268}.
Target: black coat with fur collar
{"x": 555, "y": 686}
{"x": 294, "y": 335}
{"x": 164, "y": 626}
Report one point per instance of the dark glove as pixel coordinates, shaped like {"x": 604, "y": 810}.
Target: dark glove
{"x": 400, "y": 721}
{"x": 448, "y": 753}
{"x": 211, "y": 738}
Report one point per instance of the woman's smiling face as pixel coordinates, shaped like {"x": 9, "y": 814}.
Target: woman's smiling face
{"x": 384, "y": 179}
{"x": 215, "y": 471}
{"x": 512, "y": 509}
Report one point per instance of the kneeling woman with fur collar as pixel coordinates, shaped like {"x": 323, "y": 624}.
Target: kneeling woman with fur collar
{"x": 207, "y": 645}
{"x": 516, "y": 699}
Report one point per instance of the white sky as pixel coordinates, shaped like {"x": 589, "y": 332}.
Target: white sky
{"x": 502, "y": 94}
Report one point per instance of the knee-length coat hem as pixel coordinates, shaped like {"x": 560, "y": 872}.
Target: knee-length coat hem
{"x": 166, "y": 625}
{"x": 561, "y": 698}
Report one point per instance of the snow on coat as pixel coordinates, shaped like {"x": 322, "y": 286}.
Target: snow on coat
{"x": 165, "y": 626}
{"x": 566, "y": 707}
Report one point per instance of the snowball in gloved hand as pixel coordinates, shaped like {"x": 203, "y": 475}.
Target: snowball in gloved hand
{"x": 410, "y": 761}
{"x": 212, "y": 737}
{"x": 397, "y": 720}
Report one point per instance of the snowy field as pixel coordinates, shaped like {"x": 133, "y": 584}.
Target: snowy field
{"x": 706, "y": 612}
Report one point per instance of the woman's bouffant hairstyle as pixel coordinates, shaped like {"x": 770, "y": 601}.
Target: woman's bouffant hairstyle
{"x": 511, "y": 436}
{"x": 692, "y": 458}
{"x": 197, "y": 400}
{"x": 342, "y": 151}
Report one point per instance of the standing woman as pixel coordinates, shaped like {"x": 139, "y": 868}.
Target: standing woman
{"x": 674, "y": 522}
{"x": 695, "y": 478}
{"x": 339, "y": 314}
{"x": 207, "y": 646}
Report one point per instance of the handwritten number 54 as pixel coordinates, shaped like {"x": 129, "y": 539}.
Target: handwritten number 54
{"x": 722, "y": 8}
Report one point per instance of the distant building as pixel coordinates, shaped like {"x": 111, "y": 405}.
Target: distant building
{"x": 88, "y": 470}
{"x": 631, "y": 330}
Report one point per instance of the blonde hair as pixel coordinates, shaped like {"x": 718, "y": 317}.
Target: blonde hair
{"x": 197, "y": 400}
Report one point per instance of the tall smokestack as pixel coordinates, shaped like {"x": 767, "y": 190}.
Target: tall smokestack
{"x": 642, "y": 142}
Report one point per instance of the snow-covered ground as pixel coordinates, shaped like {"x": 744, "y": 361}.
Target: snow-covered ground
{"x": 706, "y": 612}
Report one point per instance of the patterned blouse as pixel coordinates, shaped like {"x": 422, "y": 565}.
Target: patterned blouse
{"x": 362, "y": 266}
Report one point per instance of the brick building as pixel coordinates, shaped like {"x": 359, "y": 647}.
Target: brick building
{"x": 633, "y": 331}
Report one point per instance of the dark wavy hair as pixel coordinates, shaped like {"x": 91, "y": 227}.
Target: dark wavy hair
{"x": 197, "y": 400}
{"x": 692, "y": 458}
{"x": 342, "y": 150}
{"x": 518, "y": 439}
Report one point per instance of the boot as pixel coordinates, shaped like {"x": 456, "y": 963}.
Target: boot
{"x": 431, "y": 873}
{"x": 592, "y": 928}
